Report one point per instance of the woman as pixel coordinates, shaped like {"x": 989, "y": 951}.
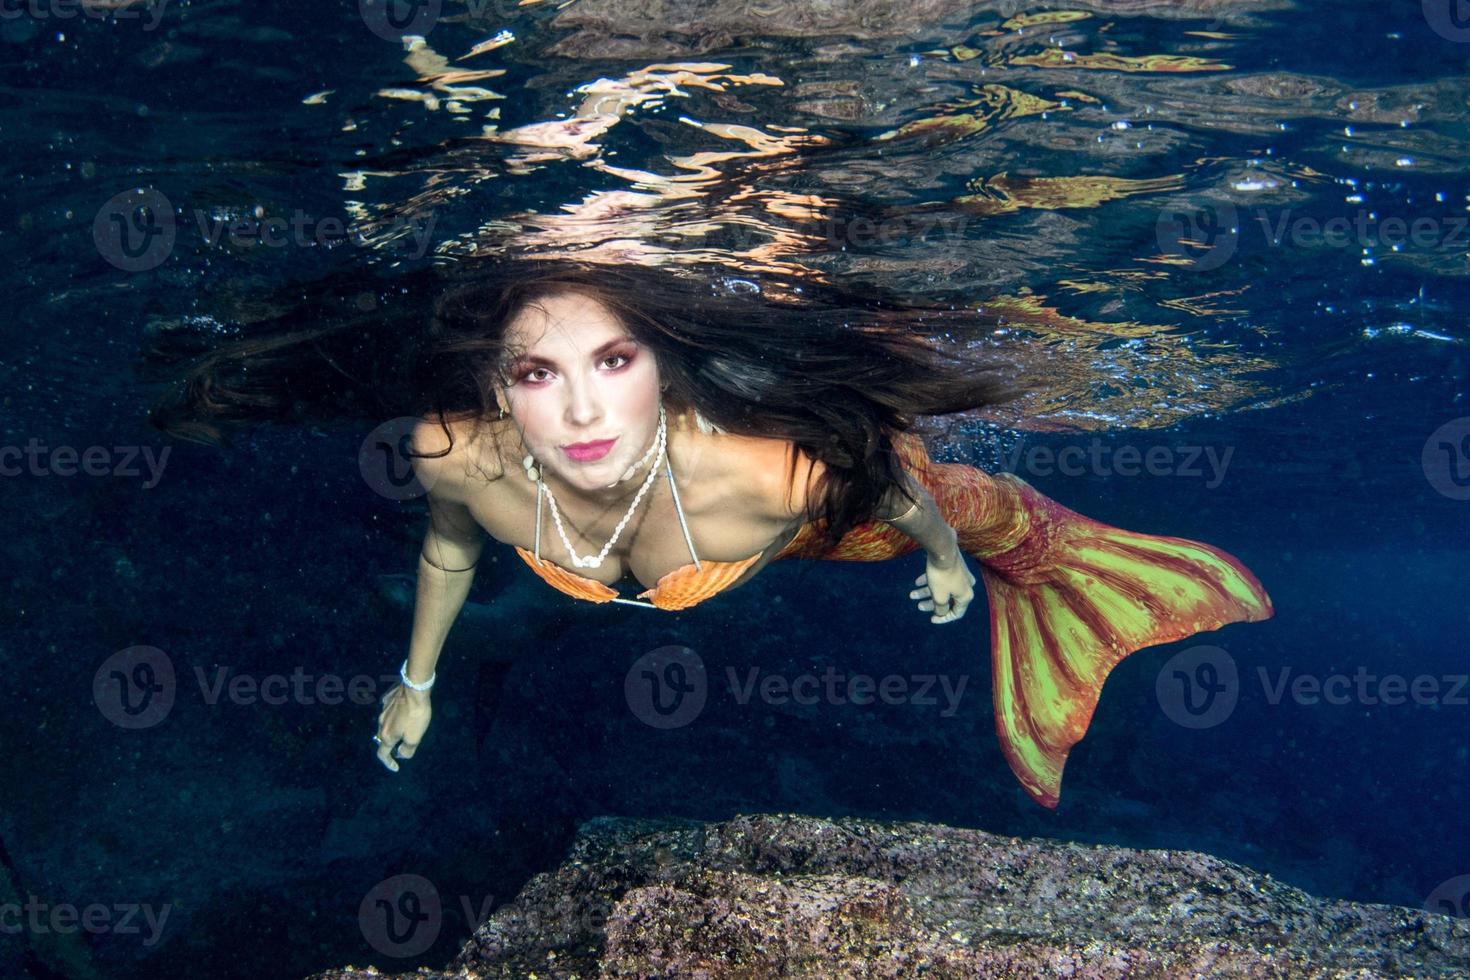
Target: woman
{"x": 609, "y": 423}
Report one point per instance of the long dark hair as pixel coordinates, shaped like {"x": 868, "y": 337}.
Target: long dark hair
{"x": 835, "y": 374}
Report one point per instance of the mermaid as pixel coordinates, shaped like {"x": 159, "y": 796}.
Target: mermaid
{"x": 685, "y": 432}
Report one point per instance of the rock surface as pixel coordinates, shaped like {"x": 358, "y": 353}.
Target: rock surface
{"x": 786, "y": 895}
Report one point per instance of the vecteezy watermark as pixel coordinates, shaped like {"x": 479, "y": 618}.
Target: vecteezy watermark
{"x": 1451, "y": 898}
{"x": 860, "y": 231}
{"x": 119, "y": 919}
{"x": 394, "y": 20}
{"x": 403, "y": 916}
{"x": 1450, "y": 19}
{"x": 386, "y": 463}
{"x": 137, "y": 687}
{"x": 1206, "y": 238}
{"x": 838, "y": 232}
{"x": 669, "y": 687}
{"x": 299, "y": 687}
{"x": 835, "y": 688}
{"x": 137, "y": 230}
{"x": 63, "y": 10}
{"x": 1365, "y": 688}
{"x": 1200, "y": 688}
{"x": 1446, "y": 459}
{"x": 1098, "y": 458}
{"x": 36, "y": 459}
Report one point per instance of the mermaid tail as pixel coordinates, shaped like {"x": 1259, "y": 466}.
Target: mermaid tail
{"x": 1069, "y": 598}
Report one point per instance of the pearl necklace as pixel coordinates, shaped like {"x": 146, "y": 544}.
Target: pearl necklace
{"x": 533, "y": 472}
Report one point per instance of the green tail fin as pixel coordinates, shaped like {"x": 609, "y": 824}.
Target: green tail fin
{"x": 1073, "y": 599}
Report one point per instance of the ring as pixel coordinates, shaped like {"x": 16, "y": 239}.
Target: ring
{"x": 377, "y": 740}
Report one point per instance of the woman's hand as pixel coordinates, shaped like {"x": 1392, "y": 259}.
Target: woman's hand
{"x": 404, "y": 719}
{"x": 945, "y": 588}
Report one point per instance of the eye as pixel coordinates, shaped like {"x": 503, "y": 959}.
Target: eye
{"x": 617, "y": 357}
{"x": 525, "y": 374}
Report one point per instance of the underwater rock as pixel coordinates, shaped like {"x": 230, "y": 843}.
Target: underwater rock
{"x": 771, "y": 895}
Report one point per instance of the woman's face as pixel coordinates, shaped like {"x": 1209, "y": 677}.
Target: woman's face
{"x": 581, "y": 382}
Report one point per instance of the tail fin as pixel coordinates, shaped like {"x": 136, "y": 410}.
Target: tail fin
{"x": 1073, "y": 599}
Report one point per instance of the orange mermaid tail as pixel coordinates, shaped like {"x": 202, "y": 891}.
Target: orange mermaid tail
{"x": 1069, "y": 598}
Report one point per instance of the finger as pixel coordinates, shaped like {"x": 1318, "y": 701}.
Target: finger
{"x": 406, "y": 749}
{"x": 922, "y": 579}
{"x": 919, "y": 594}
{"x": 385, "y": 754}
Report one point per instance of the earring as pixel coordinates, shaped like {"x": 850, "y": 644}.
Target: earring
{"x": 533, "y": 472}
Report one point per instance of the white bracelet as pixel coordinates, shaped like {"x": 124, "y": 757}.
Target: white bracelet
{"x": 904, "y": 516}
{"x": 403, "y": 675}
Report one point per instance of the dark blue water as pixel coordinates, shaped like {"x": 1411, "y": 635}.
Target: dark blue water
{"x": 1192, "y": 209}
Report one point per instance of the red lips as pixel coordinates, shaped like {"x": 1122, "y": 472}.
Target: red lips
{"x": 586, "y": 452}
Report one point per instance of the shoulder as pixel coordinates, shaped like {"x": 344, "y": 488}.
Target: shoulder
{"x": 450, "y": 456}
{"x": 780, "y": 479}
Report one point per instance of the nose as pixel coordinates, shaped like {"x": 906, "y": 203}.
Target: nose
{"x": 584, "y": 404}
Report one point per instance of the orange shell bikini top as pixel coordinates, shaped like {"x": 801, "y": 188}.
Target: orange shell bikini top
{"x": 686, "y": 586}
{"x": 679, "y": 589}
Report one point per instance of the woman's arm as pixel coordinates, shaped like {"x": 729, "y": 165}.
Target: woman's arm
{"x": 784, "y": 490}
{"x": 946, "y": 587}
{"x": 920, "y": 519}
{"x": 446, "y": 568}
{"x": 452, "y": 547}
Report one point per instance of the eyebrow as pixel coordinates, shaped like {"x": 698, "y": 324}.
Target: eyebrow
{"x": 533, "y": 360}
